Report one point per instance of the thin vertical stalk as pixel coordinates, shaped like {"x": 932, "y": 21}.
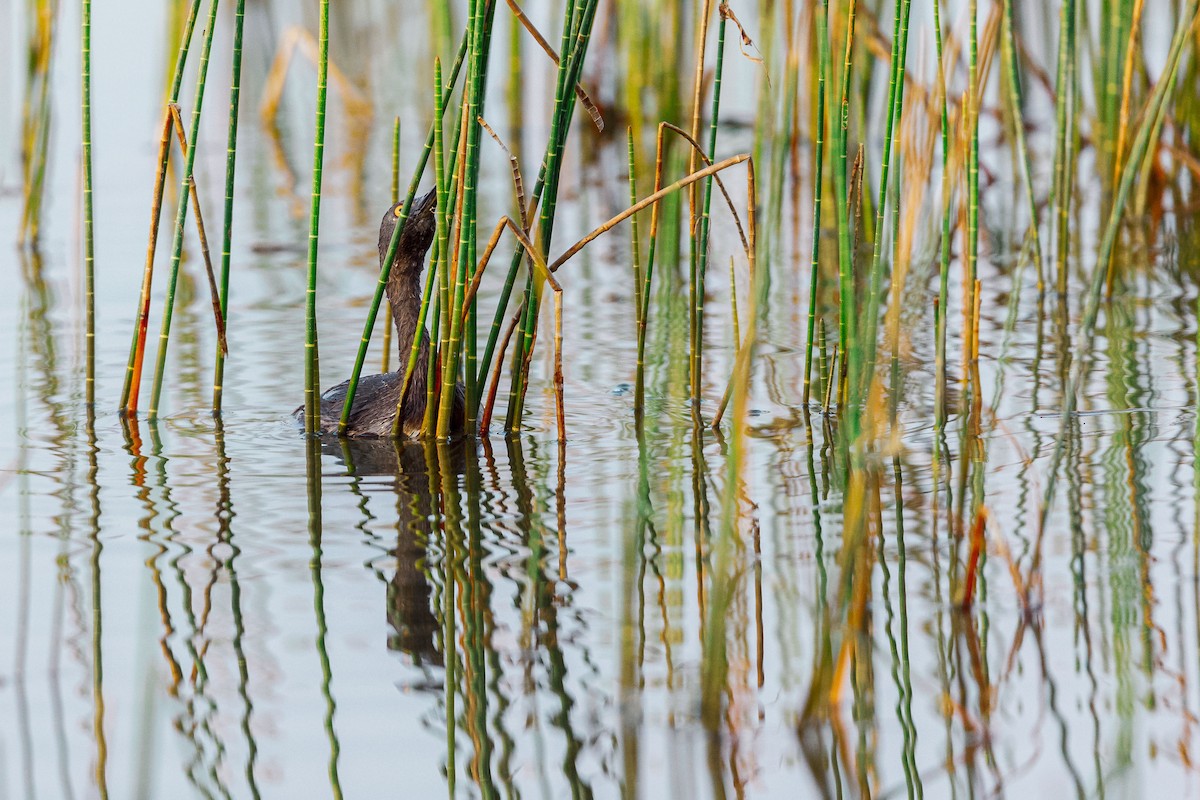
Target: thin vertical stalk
{"x": 577, "y": 35}
{"x": 862, "y": 365}
{"x": 1008, "y": 52}
{"x": 311, "y": 379}
{"x": 386, "y": 269}
{"x": 643, "y": 318}
{"x": 1126, "y": 90}
{"x": 481, "y": 20}
{"x": 846, "y": 331}
{"x": 939, "y": 308}
{"x": 634, "y": 247}
{"x": 696, "y": 281}
{"x": 387, "y": 328}
{"x": 164, "y": 336}
{"x": 89, "y": 252}
{"x": 701, "y": 241}
{"x": 133, "y": 370}
{"x": 36, "y": 130}
{"x": 1064, "y": 157}
{"x": 235, "y": 93}
{"x": 972, "y": 119}
{"x": 818, "y": 188}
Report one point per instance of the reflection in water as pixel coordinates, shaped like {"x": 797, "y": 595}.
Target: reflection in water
{"x": 515, "y": 654}
{"x": 524, "y": 617}
{"x": 492, "y": 655}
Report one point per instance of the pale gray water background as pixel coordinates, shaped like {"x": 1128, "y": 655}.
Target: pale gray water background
{"x": 247, "y": 650}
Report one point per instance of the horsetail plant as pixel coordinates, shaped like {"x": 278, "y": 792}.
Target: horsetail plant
{"x": 846, "y": 331}
{"x": 312, "y": 378}
{"x": 89, "y": 252}
{"x": 862, "y": 365}
{"x": 701, "y": 241}
{"x": 818, "y": 187}
{"x": 181, "y": 216}
{"x": 939, "y": 306}
{"x": 1008, "y": 52}
{"x": 695, "y": 234}
{"x": 483, "y": 12}
{"x": 577, "y": 26}
{"x": 137, "y": 347}
{"x": 387, "y": 328}
{"x": 386, "y": 268}
{"x": 235, "y": 92}
{"x": 1112, "y": 228}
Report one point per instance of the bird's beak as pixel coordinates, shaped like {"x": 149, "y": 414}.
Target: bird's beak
{"x": 427, "y": 204}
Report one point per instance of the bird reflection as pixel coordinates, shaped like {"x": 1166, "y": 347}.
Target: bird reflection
{"x": 419, "y": 469}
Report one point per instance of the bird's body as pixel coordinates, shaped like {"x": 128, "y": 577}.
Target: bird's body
{"x": 377, "y": 396}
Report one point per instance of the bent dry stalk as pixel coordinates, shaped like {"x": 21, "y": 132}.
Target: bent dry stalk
{"x": 160, "y": 363}
{"x": 137, "y": 347}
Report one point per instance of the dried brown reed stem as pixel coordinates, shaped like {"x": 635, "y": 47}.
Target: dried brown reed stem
{"x": 737, "y": 220}
{"x": 133, "y": 378}
{"x": 645, "y": 202}
{"x": 545, "y": 273}
{"x": 218, "y": 317}
{"x": 549, "y": 50}
{"x": 1126, "y": 91}
{"x": 518, "y": 182}
{"x": 697, "y": 99}
{"x": 358, "y": 105}
{"x": 485, "y": 420}
{"x": 976, "y": 553}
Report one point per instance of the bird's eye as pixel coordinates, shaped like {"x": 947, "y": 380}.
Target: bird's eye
{"x": 399, "y": 210}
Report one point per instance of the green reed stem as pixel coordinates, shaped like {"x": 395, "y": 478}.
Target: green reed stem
{"x": 235, "y": 94}
{"x": 395, "y": 162}
{"x": 472, "y": 385}
{"x": 579, "y": 23}
{"x": 142, "y": 316}
{"x": 440, "y": 260}
{"x": 89, "y": 251}
{"x": 823, "y": 66}
{"x": 1008, "y": 53}
{"x": 387, "y": 328}
{"x": 312, "y": 380}
{"x": 846, "y": 330}
{"x": 705, "y": 220}
{"x": 1129, "y": 175}
{"x": 429, "y": 421}
{"x": 644, "y": 303}
{"x": 973, "y": 99}
{"x": 939, "y": 309}
{"x": 634, "y": 247}
{"x": 164, "y": 336}
{"x": 437, "y": 266}
{"x": 695, "y": 235}
{"x": 483, "y": 14}
{"x": 386, "y": 268}
{"x": 862, "y": 364}
{"x": 1064, "y": 157}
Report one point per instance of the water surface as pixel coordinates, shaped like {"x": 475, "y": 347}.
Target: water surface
{"x": 202, "y": 607}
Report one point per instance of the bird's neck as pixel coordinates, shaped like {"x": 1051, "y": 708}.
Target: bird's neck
{"x": 404, "y": 295}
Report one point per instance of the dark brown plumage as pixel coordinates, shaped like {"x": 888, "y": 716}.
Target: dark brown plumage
{"x": 376, "y": 397}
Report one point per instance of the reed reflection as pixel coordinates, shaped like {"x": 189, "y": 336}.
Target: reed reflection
{"x": 459, "y": 506}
